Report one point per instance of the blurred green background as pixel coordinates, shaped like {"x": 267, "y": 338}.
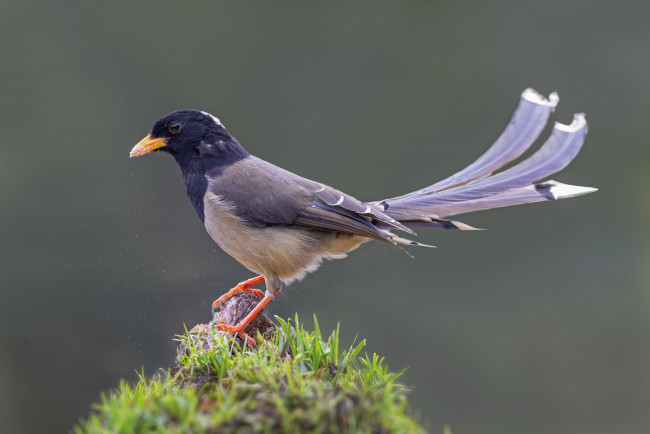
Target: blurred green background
{"x": 539, "y": 324}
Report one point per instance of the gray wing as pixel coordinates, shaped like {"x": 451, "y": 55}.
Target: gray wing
{"x": 266, "y": 195}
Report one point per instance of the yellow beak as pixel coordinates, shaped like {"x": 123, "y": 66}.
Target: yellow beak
{"x": 147, "y": 145}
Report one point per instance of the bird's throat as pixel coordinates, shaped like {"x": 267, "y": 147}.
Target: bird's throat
{"x": 208, "y": 163}
{"x": 195, "y": 183}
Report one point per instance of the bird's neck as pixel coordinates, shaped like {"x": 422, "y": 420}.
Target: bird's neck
{"x": 195, "y": 182}
{"x": 212, "y": 158}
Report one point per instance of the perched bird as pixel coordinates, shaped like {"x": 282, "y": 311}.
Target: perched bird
{"x": 281, "y": 226}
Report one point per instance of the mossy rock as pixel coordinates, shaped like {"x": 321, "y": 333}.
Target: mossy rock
{"x": 293, "y": 381}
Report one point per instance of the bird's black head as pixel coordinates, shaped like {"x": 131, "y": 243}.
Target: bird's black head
{"x": 199, "y": 143}
{"x": 190, "y": 134}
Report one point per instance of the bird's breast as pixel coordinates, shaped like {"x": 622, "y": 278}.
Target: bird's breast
{"x": 279, "y": 251}
{"x": 286, "y": 252}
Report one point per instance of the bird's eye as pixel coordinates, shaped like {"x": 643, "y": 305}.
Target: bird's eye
{"x": 174, "y": 127}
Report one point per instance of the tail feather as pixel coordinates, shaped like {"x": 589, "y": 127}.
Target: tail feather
{"x": 524, "y": 128}
{"x": 549, "y": 190}
{"x": 476, "y": 187}
{"x": 406, "y": 242}
{"x": 554, "y": 155}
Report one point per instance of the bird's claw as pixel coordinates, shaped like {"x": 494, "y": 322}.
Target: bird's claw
{"x": 241, "y": 287}
{"x": 227, "y": 327}
{"x": 235, "y": 330}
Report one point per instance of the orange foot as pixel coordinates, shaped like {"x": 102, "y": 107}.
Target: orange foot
{"x": 243, "y": 287}
{"x": 231, "y": 329}
{"x": 239, "y": 328}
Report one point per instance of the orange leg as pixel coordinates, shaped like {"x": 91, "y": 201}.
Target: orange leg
{"x": 239, "y": 328}
{"x": 241, "y": 287}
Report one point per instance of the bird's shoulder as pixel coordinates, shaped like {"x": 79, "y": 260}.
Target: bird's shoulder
{"x": 263, "y": 192}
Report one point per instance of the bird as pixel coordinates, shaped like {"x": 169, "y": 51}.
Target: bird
{"x": 281, "y": 226}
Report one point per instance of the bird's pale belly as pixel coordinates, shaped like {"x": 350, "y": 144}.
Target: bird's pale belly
{"x": 274, "y": 252}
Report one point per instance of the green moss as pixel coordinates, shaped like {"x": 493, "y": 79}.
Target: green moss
{"x": 294, "y": 382}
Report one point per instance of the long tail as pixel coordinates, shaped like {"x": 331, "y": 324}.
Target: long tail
{"x": 477, "y": 187}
